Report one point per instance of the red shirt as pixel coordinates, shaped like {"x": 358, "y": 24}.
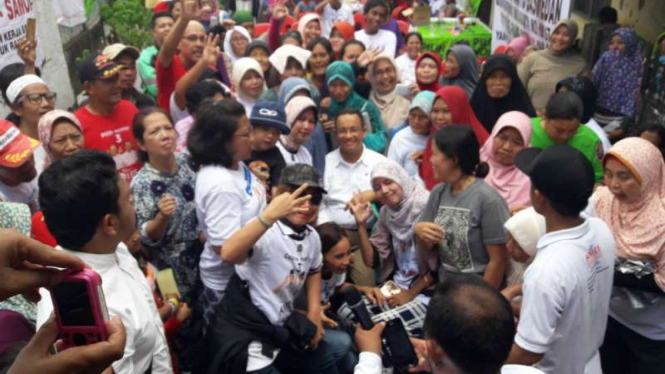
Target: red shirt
{"x": 113, "y": 134}
{"x": 166, "y": 81}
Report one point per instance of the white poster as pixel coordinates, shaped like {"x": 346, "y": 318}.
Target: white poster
{"x": 13, "y": 18}
{"x": 536, "y": 18}
{"x": 69, "y": 13}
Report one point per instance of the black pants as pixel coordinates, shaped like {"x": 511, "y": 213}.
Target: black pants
{"x": 626, "y": 352}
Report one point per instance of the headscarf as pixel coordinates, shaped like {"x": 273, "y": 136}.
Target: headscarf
{"x": 17, "y": 85}
{"x": 393, "y": 107}
{"x": 304, "y": 20}
{"x": 617, "y": 75}
{"x": 573, "y": 30}
{"x": 585, "y": 89}
{"x": 228, "y": 49}
{"x": 519, "y": 44}
{"x": 638, "y": 226}
{"x": 280, "y": 57}
{"x": 401, "y": 219}
{"x": 254, "y": 44}
{"x": 511, "y": 183}
{"x": 468, "y": 69}
{"x": 294, "y": 109}
{"x": 462, "y": 114}
{"x": 434, "y": 86}
{"x": 240, "y": 68}
{"x": 346, "y": 29}
{"x": 289, "y": 87}
{"x": 423, "y": 101}
{"x": 526, "y": 227}
{"x": 487, "y": 109}
{"x": 45, "y": 128}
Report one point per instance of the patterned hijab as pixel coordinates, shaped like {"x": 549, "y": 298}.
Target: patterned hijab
{"x": 638, "y": 226}
{"x": 487, "y": 109}
{"x": 468, "y": 69}
{"x": 294, "y": 108}
{"x": 45, "y": 128}
{"x": 513, "y": 185}
{"x": 401, "y": 219}
{"x": 617, "y": 75}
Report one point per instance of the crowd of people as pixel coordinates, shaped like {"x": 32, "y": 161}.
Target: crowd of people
{"x": 501, "y": 208}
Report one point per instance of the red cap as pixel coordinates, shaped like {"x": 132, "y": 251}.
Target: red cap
{"x": 15, "y": 148}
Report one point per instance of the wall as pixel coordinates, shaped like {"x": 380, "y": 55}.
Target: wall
{"x": 646, "y": 16}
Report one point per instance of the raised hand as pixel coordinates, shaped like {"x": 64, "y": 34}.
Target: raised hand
{"x": 368, "y": 56}
{"x": 287, "y": 203}
{"x": 211, "y": 50}
{"x": 27, "y": 51}
{"x": 191, "y": 10}
{"x": 280, "y": 11}
{"x": 361, "y": 211}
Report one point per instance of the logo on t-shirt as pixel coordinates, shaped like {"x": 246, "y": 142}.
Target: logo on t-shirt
{"x": 454, "y": 248}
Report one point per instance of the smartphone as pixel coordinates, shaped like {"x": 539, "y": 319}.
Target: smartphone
{"x": 390, "y": 289}
{"x": 403, "y": 90}
{"x": 30, "y": 29}
{"x": 398, "y": 346}
{"x": 80, "y": 308}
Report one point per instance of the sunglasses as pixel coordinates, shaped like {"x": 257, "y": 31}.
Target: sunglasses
{"x": 315, "y": 193}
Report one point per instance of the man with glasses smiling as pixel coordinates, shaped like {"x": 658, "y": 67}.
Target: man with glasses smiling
{"x": 347, "y": 177}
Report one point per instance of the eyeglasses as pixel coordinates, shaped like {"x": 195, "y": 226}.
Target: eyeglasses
{"x": 238, "y": 40}
{"x": 194, "y": 38}
{"x": 36, "y": 98}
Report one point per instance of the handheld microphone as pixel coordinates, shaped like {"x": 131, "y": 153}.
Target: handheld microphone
{"x": 357, "y": 305}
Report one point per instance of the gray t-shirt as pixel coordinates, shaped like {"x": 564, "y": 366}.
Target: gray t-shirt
{"x": 470, "y": 220}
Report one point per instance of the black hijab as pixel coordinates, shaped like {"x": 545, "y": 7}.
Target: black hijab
{"x": 585, "y": 88}
{"x": 487, "y": 109}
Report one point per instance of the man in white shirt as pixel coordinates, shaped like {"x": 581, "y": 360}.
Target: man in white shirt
{"x": 18, "y": 183}
{"x": 334, "y": 11}
{"x": 470, "y": 328}
{"x": 567, "y": 288}
{"x": 347, "y": 174}
{"x": 89, "y": 210}
{"x": 376, "y": 15}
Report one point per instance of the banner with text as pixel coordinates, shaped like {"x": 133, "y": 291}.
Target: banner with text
{"x": 536, "y": 18}
{"x": 13, "y": 18}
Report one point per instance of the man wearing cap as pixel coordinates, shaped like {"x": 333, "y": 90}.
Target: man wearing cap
{"x": 18, "y": 183}
{"x": 567, "y": 288}
{"x": 107, "y": 118}
{"x": 268, "y": 122}
{"x": 160, "y": 25}
{"x": 126, "y": 57}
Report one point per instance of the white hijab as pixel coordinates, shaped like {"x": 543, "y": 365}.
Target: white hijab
{"x": 240, "y": 68}
{"x": 228, "y": 49}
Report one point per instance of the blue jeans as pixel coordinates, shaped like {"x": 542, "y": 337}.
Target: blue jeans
{"x": 340, "y": 345}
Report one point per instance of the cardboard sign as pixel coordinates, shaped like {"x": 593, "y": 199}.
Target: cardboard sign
{"x": 421, "y": 15}
{"x": 31, "y": 29}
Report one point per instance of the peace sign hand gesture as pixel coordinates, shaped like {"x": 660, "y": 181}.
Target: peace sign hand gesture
{"x": 287, "y": 203}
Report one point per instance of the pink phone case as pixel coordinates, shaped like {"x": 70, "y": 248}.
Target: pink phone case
{"x": 84, "y": 328}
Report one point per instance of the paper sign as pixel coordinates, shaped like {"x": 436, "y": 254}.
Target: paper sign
{"x": 421, "y": 15}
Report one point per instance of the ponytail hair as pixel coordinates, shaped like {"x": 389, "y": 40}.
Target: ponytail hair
{"x": 460, "y": 143}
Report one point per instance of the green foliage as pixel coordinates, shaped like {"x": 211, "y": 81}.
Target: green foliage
{"x": 130, "y": 20}
{"x": 84, "y": 55}
{"x": 89, "y": 7}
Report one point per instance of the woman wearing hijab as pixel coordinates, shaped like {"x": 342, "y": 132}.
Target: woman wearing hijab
{"x": 499, "y": 91}
{"x": 383, "y": 77}
{"x": 451, "y": 106}
{"x": 461, "y": 68}
{"x": 248, "y": 82}
{"x": 288, "y": 61}
{"x": 340, "y": 33}
{"x": 632, "y": 203}
{"x": 235, "y": 43}
{"x": 428, "y": 72}
{"x": 585, "y": 88}
{"x": 340, "y": 80}
{"x": 309, "y": 27}
{"x": 541, "y": 70}
{"x": 301, "y": 119}
{"x": 617, "y": 75}
{"x": 511, "y": 134}
{"x": 408, "y": 144}
{"x": 259, "y": 51}
{"x": 518, "y": 46}
{"x": 61, "y": 135}
{"x": 392, "y": 246}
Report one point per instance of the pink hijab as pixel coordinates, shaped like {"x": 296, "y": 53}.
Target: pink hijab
{"x": 519, "y": 44}
{"x": 509, "y": 181}
{"x": 638, "y": 227}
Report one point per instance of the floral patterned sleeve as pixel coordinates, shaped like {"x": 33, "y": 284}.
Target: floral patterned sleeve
{"x": 146, "y": 205}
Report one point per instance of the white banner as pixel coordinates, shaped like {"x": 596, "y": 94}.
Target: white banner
{"x": 536, "y": 18}
{"x": 69, "y": 13}
{"x": 13, "y": 18}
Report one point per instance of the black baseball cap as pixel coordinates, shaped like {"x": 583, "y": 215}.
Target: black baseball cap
{"x": 560, "y": 172}
{"x": 298, "y": 174}
{"x": 269, "y": 114}
{"x": 98, "y": 67}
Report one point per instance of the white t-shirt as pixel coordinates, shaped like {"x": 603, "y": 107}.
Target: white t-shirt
{"x": 383, "y": 39}
{"x": 407, "y": 262}
{"x": 40, "y": 156}
{"x": 330, "y": 16}
{"x": 24, "y": 193}
{"x": 370, "y": 363}
{"x": 276, "y": 272}
{"x": 406, "y": 68}
{"x": 328, "y": 286}
{"x": 301, "y": 157}
{"x": 602, "y": 135}
{"x": 402, "y": 146}
{"x": 128, "y": 296}
{"x": 225, "y": 201}
{"x": 566, "y": 298}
